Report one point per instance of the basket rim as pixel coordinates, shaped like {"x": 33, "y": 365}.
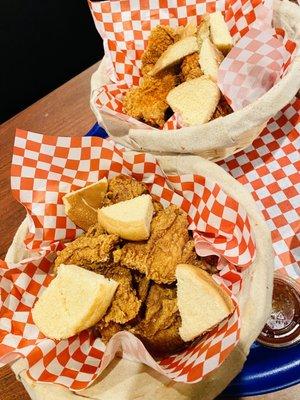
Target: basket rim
{"x": 230, "y": 129}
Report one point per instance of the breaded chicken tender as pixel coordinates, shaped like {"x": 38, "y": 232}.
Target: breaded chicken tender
{"x": 159, "y": 328}
{"x": 125, "y": 305}
{"x": 190, "y": 68}
{"x": 107, "y": 331}
{"x": 161, "y": 37}
{"x": 121, "y": 188}
{"x": 88, "y": 252}
{"x": 158, "y": 257}
{"x": 148, "y": 101}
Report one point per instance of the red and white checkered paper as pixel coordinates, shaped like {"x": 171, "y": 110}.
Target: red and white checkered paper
{"x": 258, "y": 60}
{"x": 44, "y": 168}
{"x": 269, "y": 169}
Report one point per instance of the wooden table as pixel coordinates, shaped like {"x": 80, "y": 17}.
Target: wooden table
{"x": 63, "y": 112}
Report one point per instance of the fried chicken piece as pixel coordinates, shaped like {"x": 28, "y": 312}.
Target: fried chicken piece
{"x": 94, "y": 231}
{"x": 107, "y": 331}
{"x": 142, "y": 284}
{"x": 146, "y": 69}
{"x": 121, "y": 188}
{"x": 135, "y": 256}
{"x": 88, "y": 252}
{"x": 190, "y": 68}
{"x": 189, "y": 256}
{"x": 125, "y": 305}
{"x": 159, "y": 328}
{"x": 157, "y": 206}
{"x": 167, "y": 246}
{"x": 148, "y": 101}
{"x": 223, "y": 109}
{"x": 161, "y": 37}
{"x": 158, "y": 257}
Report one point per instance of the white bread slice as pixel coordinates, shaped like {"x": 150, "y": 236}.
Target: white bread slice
{"x": 129, "y": 219}
{"x": 195, "y": 100}
{"x": 210, "y": 58}
{"x": 81, "y": 205}
{"x": 75, "y": 300}
{"x": 187, "y": 30}
{"x": 201, "y": 302}
{"x": 220, "y": 34}
{"x": 175, "y": 53}
{"x": 203, "y": 30}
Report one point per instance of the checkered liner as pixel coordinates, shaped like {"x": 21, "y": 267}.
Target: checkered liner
{"x": 269, "y": 169}
{"x": 43, "y": 169}
{"x": 258, "y": 60}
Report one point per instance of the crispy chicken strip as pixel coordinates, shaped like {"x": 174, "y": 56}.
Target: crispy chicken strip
{"x": 142, "y": 283}
{"x": 159, "y": 328}
{"x": 88, "y": 252}
{"x": 190, "y": 68}
{"x": 148, "y": 101}
{"x": 166, "y": 246}
{"x": 125, "y": 305}
{"x": 158, "y": 257}
{"x": 107, "y": 331}
{"x": 121, "y": 188}
{"x": 94, "y": 230}
{"x": 189, "y": 256}
{"x": 161, "y": 37}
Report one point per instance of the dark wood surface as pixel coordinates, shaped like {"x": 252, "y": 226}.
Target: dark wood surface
{"x": 63, "y": 112}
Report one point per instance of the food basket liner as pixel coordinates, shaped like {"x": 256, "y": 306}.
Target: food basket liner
{"x": 44, "y": 168}
{"x": 260, "y": 57}
{"x": 269, "y": 169}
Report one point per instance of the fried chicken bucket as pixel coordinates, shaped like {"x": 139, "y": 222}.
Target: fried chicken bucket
{"x": 257, "y": 78}
{"x": 190, "y": 194}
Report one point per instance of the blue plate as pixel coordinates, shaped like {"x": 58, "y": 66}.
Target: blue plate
{"x": 266, "y": 370}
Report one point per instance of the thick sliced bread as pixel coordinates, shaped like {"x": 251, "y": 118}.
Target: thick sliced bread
{"x": 201, "y": 302}
{"x": 75, "y": 300}
{"x": 81, "y": 205}
{"x": 195, "y": 100}
{"x": 129, "y": 219}
{"x": 210, "y": 58}
{"x": 219, "y": 31}
{"x": 203, "y": 31}
{"x": 175, "y": 53}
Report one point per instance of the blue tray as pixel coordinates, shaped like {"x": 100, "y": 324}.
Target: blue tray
{"x": 266, "y": 370}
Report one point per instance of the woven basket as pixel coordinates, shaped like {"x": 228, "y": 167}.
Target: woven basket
{"x": 128, "y": 380}
{"x": 219, "y": 138}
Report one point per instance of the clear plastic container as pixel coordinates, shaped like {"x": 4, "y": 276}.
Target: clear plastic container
{"x": 283, "y": 327}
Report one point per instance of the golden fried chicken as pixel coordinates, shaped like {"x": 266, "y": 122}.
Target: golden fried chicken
{"x": 121, "y": 188}
{"x": 159, "y": 328}
{"x": 88, "y": 252}
{"x": 190, "y": 68}
{"x": 161, "y": 37}
{"x": 94, "y": 230}
{"x": 107, "y": 331}
{"x": 223, "y": 109}
{"x": 125, "y": 305}
{"x": 135, "y": 256}
{"x": 146, "y": 69}
{"x": 142, "y": 284}
{"x": 158, "y": 257}
{"x": 148, "y": 101}
{"x": 189, "y": 256}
